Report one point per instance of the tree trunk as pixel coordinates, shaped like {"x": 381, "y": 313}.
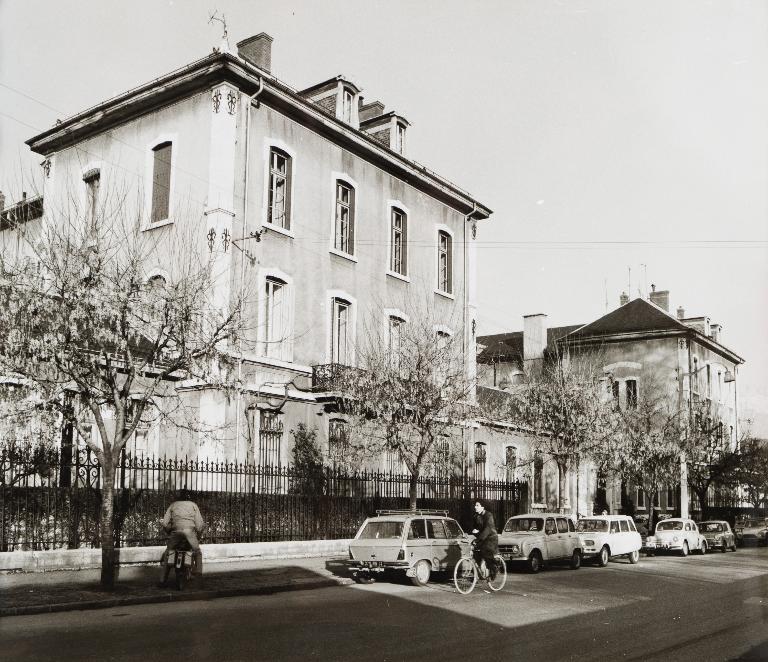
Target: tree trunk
{"x": 107, "y": 526}
{"x": 562, "y": 473}
{"x": 701, "y": 495}
{"x": 412, "y": 490}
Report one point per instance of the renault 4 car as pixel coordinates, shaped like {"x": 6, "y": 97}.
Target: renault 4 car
{"x": 606, "y": 536}
{"x": 416, "y": 543}
{"x": 539, "y": 538}
{"x": 752, "y": 532}
{"x": 718, "y": 534}
{"x": 677, "y": 534}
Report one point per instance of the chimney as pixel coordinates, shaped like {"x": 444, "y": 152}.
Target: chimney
{"x": 623, "y": 299}
{"x": 370, "y": 110}
{"x": 680, "y": 313}
{"x": 715, "y": 330}
{"x": 2, "y": 201}
{"x": 534, "y": 337}
{"x": 257, "y": 50}
{"x": 660, "y": 298}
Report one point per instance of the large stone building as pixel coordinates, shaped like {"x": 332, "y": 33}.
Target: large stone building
{"x": 638, "y": 343}
{"x": 307, "y": 197}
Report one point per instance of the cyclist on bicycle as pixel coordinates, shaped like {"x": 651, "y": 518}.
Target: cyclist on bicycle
{"x": 486, "y": 538}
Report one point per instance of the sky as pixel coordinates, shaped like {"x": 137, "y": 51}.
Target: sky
{"x": 619, "y": 143}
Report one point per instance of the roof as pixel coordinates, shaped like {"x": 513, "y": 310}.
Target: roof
{"x": 642, "y": 319}
{"x": 221, "y": 67}
{"x": 509, "y": 346}
{"x": 637, "y": 315}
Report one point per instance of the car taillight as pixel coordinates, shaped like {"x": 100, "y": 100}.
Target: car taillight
{"x": 401, "y": 555}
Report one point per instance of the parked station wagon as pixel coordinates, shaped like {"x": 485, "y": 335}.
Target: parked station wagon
{"x": 416, "y": 543}
{"x": 539, "y": 538}
{"x": 718, "y": 534}
{"x": 604, "y": 536}
{"x": 677, "y": 534}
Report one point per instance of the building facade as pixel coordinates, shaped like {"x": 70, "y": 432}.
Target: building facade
{"x": 304, "y": 202}
{"x": 638, "y": 344}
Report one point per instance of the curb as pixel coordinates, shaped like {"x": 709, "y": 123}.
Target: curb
{"x": 171, "y": 597}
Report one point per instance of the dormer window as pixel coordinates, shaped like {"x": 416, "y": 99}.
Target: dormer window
{"x": 347, "y": 103}
{"x": 400, "y": 139}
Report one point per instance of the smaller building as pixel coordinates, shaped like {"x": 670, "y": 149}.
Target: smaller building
{"x": 638, "y": 342}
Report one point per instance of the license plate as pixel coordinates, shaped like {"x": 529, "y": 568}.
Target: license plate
{"x": 506, "y": 557}
{"x": 373, "y": 564}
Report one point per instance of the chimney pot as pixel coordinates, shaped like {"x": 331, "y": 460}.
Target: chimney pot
{"x": 680, "y": 313}
{"x": 257, "y": 50}
{"x": 623, "y": 299}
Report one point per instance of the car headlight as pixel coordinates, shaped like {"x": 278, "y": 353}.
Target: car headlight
{"x": 718, "y": 538}
{"x": 675, "y": 538}
{"x": 515, "y": 549}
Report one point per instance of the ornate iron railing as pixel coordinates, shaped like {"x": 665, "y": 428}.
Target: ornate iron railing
{"x": 330, "y": 376}
{"x": 54, "y": 502}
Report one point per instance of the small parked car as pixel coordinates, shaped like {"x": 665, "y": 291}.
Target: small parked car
{"x": 677, "y": 534}
{"x": 752, "y": 532}
{"x": 416, "y": 543}
{"x": 539, "y": 538}
{"x": 718, "y": 534}
{"x": 605, "y": 536}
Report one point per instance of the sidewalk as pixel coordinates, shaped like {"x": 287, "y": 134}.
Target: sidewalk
{"x": 36, "y": 593}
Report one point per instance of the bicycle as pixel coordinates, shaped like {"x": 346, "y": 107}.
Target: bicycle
{"x": 466, "y": 573}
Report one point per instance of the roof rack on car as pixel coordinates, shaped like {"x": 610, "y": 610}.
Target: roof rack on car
{"x": 420, "y": 511}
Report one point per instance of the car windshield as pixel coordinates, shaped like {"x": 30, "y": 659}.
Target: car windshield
{"x": 379, "y": 530}
{"x": 750, "y": 523}
{"x": 669, "y": 526}
{"x": 593, "y": 525}
{"x": 711, "y": 527}
{"x": 523, "y": 524}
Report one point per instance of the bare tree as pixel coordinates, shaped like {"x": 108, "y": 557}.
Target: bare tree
{"x": 411, "y": 392}
{"x": 564, "y": 404}
{"x": 648, "y": 438}
{"x": 752, "y": 472}
{"x": 712, "y": 458}
{"x": 81, "y": 325}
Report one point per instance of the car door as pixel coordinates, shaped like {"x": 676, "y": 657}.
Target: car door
{"x": 439, "y": 541}
{"x": 550, "y": 536}
{"x": 563, "y": 538}
{"x": 697, "y": 537}
{"x": 690, "y": 536}
{"x": 624, "y": 537}
{"x": 730, "y": 541}
{"x": 456, "y": 544}
{"x": 419, "y": 546}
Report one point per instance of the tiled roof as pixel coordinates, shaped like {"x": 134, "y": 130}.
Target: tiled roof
{"x": 636, "y": 316}
{"x": 509, "y": 346}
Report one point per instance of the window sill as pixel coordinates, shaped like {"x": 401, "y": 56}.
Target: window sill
{"x": 447, "y": 295}
{"x": 278, "y": 230}
{"x": 346, "y": 256}
{"x": 394, "y": 274}
{"x": 159, "y": 224}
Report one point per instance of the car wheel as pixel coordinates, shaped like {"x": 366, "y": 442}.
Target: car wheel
{"x": 363, "y": 578}
{"x": 703, "y": 548}
{"x": 634, "y": 557}
{"x": 535, "y": 561}
{"x": 421, "y": 572}
{"x": 733, "y": 547}
{"x": 684, "y": 551}
{"x": 724, "y": 548}
{"x": 576, "y": 559}
{"x": 604, "y": 556}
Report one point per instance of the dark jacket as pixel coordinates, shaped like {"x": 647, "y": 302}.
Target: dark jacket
{"x": 487, "y": 537}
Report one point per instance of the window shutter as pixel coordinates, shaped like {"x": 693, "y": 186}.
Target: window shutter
{"x": 449, "y": 289}
{"x": 161, "y": 182}
{"x": 404, "y": 247}
{"x": 352, "y": 221}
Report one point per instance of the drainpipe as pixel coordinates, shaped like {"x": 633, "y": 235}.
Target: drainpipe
{"x": 467, "y": 330}
{"x": 251, "y": 99}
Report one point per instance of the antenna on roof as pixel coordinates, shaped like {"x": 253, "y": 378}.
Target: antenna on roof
{"x": 644, "y": 293}
{"x": 605, "y": 293}
{"x": 224, "y": 45}
{"x": 629, "y": 281}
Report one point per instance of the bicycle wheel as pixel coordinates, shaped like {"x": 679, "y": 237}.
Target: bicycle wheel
{"x": 465, "y": 576}
{"x": 498, "y": 582}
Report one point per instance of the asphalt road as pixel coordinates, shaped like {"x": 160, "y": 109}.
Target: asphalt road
{"x": 665, "y": 608}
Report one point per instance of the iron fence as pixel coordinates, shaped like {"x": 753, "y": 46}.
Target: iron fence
{"x": 55, "y": 502}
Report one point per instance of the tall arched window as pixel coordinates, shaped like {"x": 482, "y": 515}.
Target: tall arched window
{"x": 276, "y": 318}
{"x": 341, "y": 331}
